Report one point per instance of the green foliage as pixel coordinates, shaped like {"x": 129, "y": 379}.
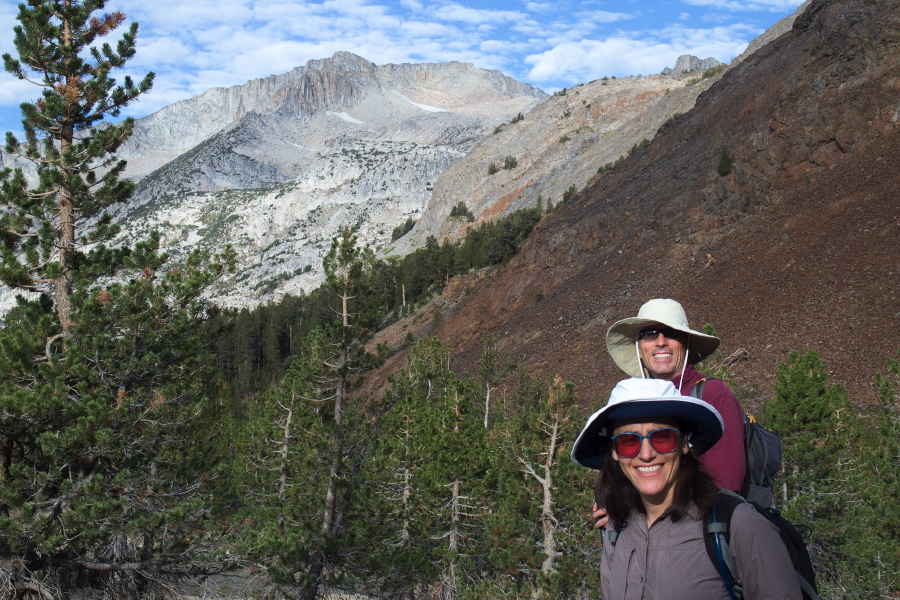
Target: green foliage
{"x": 840, "y": 479}
{"x": 569, "y": 193}
{"x": 455, "y": 504}
{"x": 638, "y": 145}
{"x": 401, "y": 230}
{"x": 104, "y": 456}
{"x": 726, "y": 163}
{"x": 492, "y": 168}
{"x": 713, "y": 71}
{"x": 294, "y": 437}
{"x": 518, "y": 118}
{"x": 564, "y": 139}
{"x": 538, "y": 544}
{"x": 510, "y": 162}
{"x": 316, "y": 404}
{"x": 707, "y": 74}
{"x": 675, "y": 116}
{"x": 428, "y": 478}
{"x": 257, "y": 346}
{"x": 561, "y": 92}
{"x": 461, "y": 211}
{"x": 610, "y": 166}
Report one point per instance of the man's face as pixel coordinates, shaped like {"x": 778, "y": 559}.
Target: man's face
{"x": 662, "y": 354}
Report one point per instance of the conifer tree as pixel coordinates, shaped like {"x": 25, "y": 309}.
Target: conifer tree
{"x": 281, "y": 471}
{"x": 348, "y": 272}
{"x": 429, "y": 478}
{"x": 840, "y": 480}
{"x": 102, "y": 367}
{"x": 539, "y": 544}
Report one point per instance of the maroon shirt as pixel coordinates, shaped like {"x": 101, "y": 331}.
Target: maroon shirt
{"x": 725, "y": 462}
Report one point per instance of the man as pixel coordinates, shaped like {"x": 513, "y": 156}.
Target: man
{"x": 658, "y": 343}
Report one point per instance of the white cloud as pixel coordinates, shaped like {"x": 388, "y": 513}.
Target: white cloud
{"x": 425, "y": 29}
{"x": 8, "y": 20}
{"x": 602, "y": 16}
{"x": 14, "y": 91}
{"x": 749, "y": 5}
{"x": 473, "y": 16}
{"x": 621, "y": 55}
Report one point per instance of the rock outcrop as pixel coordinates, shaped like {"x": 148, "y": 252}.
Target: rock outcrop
{"x": 690, "y": 64}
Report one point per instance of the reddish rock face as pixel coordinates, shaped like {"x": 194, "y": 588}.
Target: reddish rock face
{"x": 796, "y": 249}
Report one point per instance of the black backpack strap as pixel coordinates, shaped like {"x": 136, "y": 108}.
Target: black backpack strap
{"x": 717, "y": 538}
{"x": 697, "y": 390}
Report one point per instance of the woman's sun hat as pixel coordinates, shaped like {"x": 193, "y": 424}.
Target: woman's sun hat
{"x": 621, "y": 338}
{"x": 649, "y": 399}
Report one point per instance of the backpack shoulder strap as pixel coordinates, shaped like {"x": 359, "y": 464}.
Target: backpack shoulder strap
{"x": 697, "y": 390}
{"x": 717, "y": 538}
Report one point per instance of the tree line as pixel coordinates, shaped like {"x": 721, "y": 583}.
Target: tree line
{"x": 253, "y": 347}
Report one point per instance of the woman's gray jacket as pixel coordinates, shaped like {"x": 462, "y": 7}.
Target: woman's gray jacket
{"x": 670, "y": 561}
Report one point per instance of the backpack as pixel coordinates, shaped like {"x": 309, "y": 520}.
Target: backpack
{"x": 763, "y": 450}
{"x": 718, "y": 526}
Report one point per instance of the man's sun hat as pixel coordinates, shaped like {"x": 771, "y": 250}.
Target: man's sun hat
{"x": 649, "y": 399}
{"x": 621, "y": 338}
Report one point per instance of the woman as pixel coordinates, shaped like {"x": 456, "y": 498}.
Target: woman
{"x": 646, "y": 442}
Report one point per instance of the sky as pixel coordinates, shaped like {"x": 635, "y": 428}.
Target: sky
{"x": 195, "y": 45}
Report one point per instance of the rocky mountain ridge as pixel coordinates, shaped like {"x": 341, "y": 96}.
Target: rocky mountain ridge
{"x": 276, "y": 167}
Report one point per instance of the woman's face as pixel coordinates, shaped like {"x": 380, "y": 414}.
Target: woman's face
{"x": 651, "y": 472}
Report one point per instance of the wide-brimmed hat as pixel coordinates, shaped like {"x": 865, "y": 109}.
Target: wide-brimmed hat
{"x": 639, "y": 398}
{"x": 621, "y": 338}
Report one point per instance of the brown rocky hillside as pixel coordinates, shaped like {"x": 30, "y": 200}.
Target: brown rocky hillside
{"x": 795, "y": 249}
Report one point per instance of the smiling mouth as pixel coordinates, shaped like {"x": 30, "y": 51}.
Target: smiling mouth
{"x": 650, "y": 469}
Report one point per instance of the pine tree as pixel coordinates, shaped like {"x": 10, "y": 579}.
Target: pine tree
{"x": 348, "y": 273}
{"x": 62, "y": 141}
{"x": 539, "y": 544}
{"x": 281, "y": 472}
{"x": 102, "y": 368}
{"x": 428, "y": 480}
{"x": 840, "y": 479}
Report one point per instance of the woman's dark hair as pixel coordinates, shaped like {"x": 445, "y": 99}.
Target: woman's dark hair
{"x": 614, "y": 490}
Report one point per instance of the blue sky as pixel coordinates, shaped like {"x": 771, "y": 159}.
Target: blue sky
{"x": 194, "y": 45}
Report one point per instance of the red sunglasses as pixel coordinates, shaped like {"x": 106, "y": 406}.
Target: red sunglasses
{"x": 664, "y": 440}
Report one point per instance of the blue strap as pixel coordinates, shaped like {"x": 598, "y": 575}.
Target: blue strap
{"x": 717, "y": 536}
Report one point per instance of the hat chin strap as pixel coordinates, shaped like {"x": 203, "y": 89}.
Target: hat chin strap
{"x": 687, "y": 353}
{"x": 637, "y": 351}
